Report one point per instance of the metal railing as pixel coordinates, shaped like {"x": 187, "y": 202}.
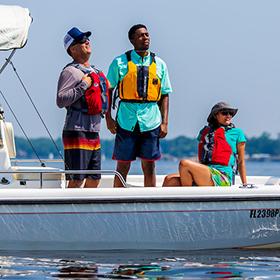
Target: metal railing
{"x": 70, "y": 172}
{"x": 15, "y": 161}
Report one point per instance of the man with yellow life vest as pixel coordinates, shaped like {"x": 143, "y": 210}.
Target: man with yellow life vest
{"x": 142, "y": 118}
{"x": 83, "y": 91}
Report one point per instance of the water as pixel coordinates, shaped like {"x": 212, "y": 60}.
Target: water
{"x": 253, "y": 168}
{"x": 214, "y": 264}
{"x": 205, "y": 264}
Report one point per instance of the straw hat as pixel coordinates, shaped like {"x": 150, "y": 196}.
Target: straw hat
{"x": 218, "y": 107}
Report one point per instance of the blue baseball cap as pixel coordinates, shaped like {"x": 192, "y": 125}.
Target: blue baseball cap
{"x": 72, "y": 35}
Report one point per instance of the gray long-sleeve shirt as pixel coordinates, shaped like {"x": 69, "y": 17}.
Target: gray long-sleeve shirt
{"x": 70, "y": 89}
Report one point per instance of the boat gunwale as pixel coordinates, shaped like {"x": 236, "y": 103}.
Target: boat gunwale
{"x": 137, "y": 200}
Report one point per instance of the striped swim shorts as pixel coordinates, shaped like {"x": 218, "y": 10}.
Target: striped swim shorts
{"x": 219, "y": 178}
{"x": 82, "y": 151}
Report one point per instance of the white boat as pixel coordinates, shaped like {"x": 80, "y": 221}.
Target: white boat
{"x": 37, "y": 212}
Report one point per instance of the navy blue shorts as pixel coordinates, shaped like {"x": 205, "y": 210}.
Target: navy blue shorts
{"x": 82, "y": 151}
{"x": 132, "y": 144}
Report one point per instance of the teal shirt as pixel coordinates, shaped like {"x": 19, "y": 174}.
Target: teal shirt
{"x": 233, "y": 137}
{"x": 146, "y": 114}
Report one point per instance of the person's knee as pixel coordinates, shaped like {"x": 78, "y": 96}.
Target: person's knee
{"x": 123, "y": 167}
{"x": 167, "y": 180}
{"x": 187, "y": 165}
{"x": 184, "y": 163}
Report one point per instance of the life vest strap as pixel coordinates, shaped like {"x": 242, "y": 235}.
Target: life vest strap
{"x": 128, "y": 56}
{"x": 103, "y": 87}
{"x": 137, "y": 101}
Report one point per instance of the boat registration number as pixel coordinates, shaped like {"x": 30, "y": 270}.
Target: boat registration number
{"x": 264, "y": 213}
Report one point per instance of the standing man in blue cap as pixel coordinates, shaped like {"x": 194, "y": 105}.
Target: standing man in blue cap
{"x": 142, "y": 117}
{"x": 76, "y": 85}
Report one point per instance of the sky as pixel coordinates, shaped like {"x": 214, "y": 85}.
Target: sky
{"x": 215, "y": 50}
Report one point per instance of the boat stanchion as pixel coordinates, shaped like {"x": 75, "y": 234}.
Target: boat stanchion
{"x": 41, "y": 180}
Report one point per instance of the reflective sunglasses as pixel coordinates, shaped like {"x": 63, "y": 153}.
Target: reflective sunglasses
{"x": 80, "y": 41}
{"x": 226, "y": 112}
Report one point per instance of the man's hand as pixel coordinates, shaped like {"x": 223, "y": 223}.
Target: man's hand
{"x": 111, "y": 124}
{"x": 163, "y": 130}
{"x": 88, "y": 79}
{"x": 164, "y": 108}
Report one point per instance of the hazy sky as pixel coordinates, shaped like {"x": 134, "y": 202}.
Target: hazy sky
{"x": 215, "y": 50}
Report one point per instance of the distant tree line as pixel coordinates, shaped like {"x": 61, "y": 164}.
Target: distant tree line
{"x": 180, "y": 147}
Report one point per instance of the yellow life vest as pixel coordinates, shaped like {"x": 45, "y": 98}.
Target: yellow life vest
{"x": 141, "y": 83}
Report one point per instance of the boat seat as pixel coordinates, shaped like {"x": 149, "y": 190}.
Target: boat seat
{"x": 273, "y": 181}
{"x": 36, "y": 176}
{"x": 10, "y": 139}
{"x": 260, "y": 180}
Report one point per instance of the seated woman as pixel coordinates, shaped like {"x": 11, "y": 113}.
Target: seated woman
{"x": 221, "y": 146}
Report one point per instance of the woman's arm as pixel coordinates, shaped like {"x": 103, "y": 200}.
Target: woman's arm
{"x": 241, "y": 161}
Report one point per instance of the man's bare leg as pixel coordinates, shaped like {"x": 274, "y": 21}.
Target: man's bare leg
{"x": 76, "y": 184}
{"x": 91, "y": 183}
{"x": 149, "y": 171}
{"x": 123, "y": 169}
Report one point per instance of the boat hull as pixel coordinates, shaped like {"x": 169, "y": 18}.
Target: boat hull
{"x": 130, "y": 221}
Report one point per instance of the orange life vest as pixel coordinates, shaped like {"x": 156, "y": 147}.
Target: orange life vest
{"x": 141, "y": 83}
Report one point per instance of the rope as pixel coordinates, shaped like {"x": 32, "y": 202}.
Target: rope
{"x": 36, "y": 110}
{"x": 42, "y": 164}
{"x": 67, "y": 167}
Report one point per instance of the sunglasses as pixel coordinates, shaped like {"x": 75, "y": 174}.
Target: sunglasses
{"x": 82, "y": 41}
{"x": 226, "y": 112}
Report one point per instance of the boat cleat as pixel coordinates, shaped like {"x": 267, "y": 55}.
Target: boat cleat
{"x": 248, "y": 186}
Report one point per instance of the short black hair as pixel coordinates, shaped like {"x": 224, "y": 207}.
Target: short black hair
{"x": 134, "y": 28}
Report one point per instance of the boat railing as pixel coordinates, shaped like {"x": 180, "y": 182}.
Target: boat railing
{"x": 16, "y": 161}
{"x": 66, "y": 172}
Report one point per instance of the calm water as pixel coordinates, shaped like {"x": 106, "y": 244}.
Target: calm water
{"x": 206, "y": 264}
{"x": 214, "y": 264}
{"x": 253, "y": 168}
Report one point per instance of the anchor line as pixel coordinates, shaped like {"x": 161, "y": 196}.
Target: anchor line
{"x": 42, "y": 164}
{"x": 35, "y": 108}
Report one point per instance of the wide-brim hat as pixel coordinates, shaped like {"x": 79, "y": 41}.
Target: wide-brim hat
{"x": 218, "y": 107}
{"x": 72, "y": 35}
